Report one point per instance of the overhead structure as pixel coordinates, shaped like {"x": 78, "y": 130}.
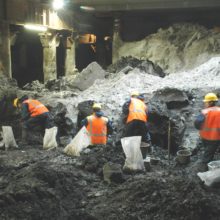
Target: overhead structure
{"x": 130, "y": 5}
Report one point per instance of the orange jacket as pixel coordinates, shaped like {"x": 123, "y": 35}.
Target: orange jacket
{"x": 137, "y": 110}
{"x": 97, "y": 128}
{"x": 211, "y": 128}
{"x": 35, "y": 107}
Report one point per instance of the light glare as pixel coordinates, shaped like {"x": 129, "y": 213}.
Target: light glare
{"x": 87, "y": 8}
{"x": 35, "y": 27}
{"x": 58, "y": 4}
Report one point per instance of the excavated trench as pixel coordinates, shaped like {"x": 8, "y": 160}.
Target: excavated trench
{"x": 50, "y": 185}
{"x": 39, "y": 184}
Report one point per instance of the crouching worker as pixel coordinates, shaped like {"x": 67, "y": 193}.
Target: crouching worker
{"x": 98, "y": 126}
{"x": 33, "y": 115}
{"x": 208, "y": 123}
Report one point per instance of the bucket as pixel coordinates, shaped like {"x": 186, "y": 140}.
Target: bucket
{"x": 183, "y": 156}
{"x": 154, "y": 161}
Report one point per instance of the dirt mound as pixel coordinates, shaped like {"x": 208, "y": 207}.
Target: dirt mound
{"x": 40, "y": 185}
{"x": 158, "y": 196}
{"x": 96, "y": 157}
{"x": 35, "y": 86}
{"x": 179, "y": 47}
{"x": 144, "y": 65}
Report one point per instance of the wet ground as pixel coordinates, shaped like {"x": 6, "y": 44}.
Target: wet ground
{"x": 37, "y": 184}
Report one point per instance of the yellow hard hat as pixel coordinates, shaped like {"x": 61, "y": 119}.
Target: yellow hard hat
{"x": 15, "y": 102}
{"x": 97, "y": 106}
{"x": 210, "y": 97}
{"x": 135, "y": 93}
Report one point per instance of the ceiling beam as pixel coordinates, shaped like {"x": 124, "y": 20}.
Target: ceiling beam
{"x": 129, "y": 5}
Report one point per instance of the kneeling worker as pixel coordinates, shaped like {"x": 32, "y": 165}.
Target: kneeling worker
{"x": 98, "y": 126}
{"x": 33, "y": 114}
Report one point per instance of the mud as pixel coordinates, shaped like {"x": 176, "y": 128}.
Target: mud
{"x": 37, "y": 184}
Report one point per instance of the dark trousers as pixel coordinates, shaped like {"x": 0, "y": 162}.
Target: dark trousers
{"x": 39, "y": 122}
{"x": 137, "y": 128}
{"x": 210, "y": 149}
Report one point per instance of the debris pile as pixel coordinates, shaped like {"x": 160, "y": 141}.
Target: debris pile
{"x": 126, "y": 64}
{"x": 41, "y": 184}
{"x": 182, "y": 46}
{"x": 157, "y": 196}
{"x": 35, "y": 86}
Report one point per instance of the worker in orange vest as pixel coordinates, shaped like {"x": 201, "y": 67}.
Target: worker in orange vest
{"x": 33, "y": 114}
{"x": 208, "y": 124}
{"x": 136, "y": 113}
{"x": 98, "y": 126}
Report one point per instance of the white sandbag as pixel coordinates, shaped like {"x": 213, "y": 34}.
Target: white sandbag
{"x": 214, "y": 165}
{"x": 79, "y": 142}
{"x": 50, "y": 138}
{"x": 8, "y": 137}
{"x": 210, "y": 177}
{"x": 131, "y": 147}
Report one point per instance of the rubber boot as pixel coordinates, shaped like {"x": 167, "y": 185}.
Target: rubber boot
{"x": 144, "y": 149}
{"x": 24, "y": 136}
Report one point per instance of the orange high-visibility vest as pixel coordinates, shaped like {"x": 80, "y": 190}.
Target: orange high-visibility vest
{"x": 97, "y": 128}
{"x": 35, "y": 107}
{"x": 211, "y": 127}
{"x": 137, "y": 110}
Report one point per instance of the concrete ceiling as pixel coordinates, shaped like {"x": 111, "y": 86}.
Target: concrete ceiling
{"x": 130, "y": 5}
{"x": 99, "y": 15}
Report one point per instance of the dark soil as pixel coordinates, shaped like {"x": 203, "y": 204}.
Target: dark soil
{"x": 37, "y": 184}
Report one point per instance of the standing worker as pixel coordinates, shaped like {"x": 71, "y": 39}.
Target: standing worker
{"x": 33, "y": 114}
{"x": 98, "y": 126}
{"x": 208, "y": 123}
{"x": 136, "y": 118}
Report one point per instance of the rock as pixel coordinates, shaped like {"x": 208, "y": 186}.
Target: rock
{"x": 151, "y": 68}
{"x": 126, "y": 69}
{"x": 112, "y": 173}
{"x": 35, "y": 86}
{"x": 85, "y": 109}
{"x": 65, "y": 124}
{"x": 88, "y": 76}
{"x": 126, "y": 64}
{"x": 166, "y": 105}
{"x": 91, "y": 164}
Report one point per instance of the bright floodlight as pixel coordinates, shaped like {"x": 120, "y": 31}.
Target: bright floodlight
{"x": 58, "y": 4}
{"x": 35, "y": 27}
